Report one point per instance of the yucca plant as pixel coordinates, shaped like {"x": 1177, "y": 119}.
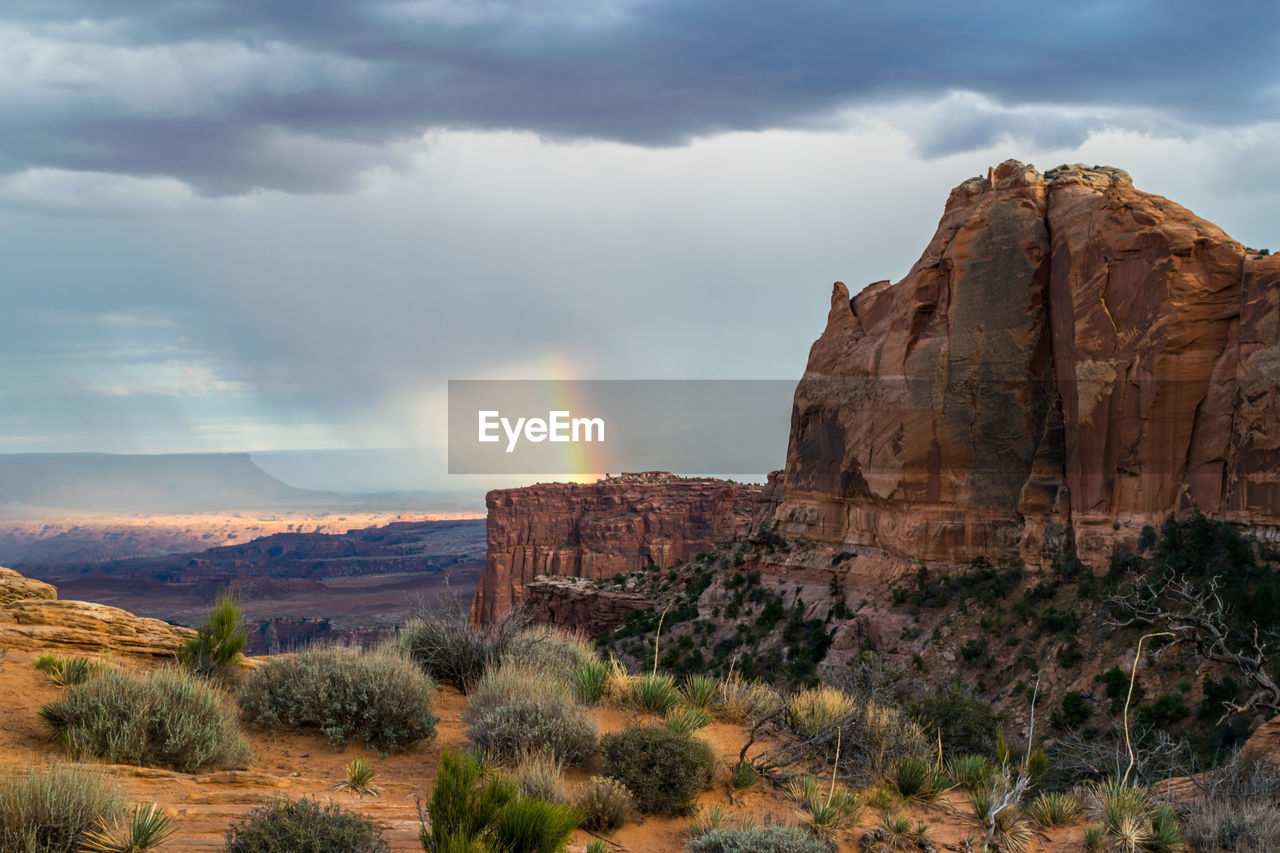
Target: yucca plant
{"x": 654, "y": 693}
{"x": 146, "y": 828}
{"x": 68, "y": 672}
{"x": 595, "y": 845}
{"x": 743, "y": 776}
{"x": 1093, "y": 837}
{"x": 914, "y": 779}
{"x": 590, "y": 680}
{"x": 699, "y": 691}
{"x": 1010, "y": 833}
{"x": 689, "y": 720}
{"x": 971, "y": 771}
{"x": 359, "y": 779}
{"x": 705, "y": 819}
{"x": 1053, "y": 809}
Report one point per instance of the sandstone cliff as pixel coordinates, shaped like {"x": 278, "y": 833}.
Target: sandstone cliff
{"x": 600, "y": 529}
{"x": 1069, "y": 360}
{"x": 33, "y": 619}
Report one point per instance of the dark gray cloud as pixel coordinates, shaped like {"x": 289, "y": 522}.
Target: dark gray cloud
{"x": 302, "y": 96}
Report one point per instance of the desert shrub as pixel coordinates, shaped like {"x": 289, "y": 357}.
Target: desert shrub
{"x": 165, "y": 718}
{"x": 540, "y": 775}
{"x": 590, "y": 680}
{"x": 816, "y": 708}
{"x": 1213, "y": 825}
{"x": 219, "y": 641}
{"x": 469, "y": 814}
{"x": 54, "y": 810}
{"x": 826, "y": 810}
{"x": 655, "y": 694}
{"x": 662, "y": 768}
{"x": 605, "y": 804}
{"x": 869, "y": 738}
{"x": 378, "y": 697}
{"x": 762, "y": 839}
{"x": 304, "y": 826}
{"x": 442, "y": 640}
{"x": 68, "y": 672}
{"x": 965, "y": 722}
{"x": 1130, "y": 819}
{"x": 513, "y": 709}
{"x": 552, "y": 651}
{"x": 742, "y": 700}
{"x": 1239, "y": 810}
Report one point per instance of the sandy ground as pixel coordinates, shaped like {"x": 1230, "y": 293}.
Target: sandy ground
{"x": 204, "y": 805}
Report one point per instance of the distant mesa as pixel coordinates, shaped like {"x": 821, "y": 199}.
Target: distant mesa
{"x": 162, "y": 483}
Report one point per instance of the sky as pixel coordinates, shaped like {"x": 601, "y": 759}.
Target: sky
{"x": 285, "y": 225}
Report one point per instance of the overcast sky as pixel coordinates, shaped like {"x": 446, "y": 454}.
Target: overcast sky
{"x": 283, "y": 225}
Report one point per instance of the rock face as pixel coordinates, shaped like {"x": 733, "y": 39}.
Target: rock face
{"x": 1069, "y": 360}
{"x": 600, "y": 529}
{"x": 578, "y": 606}
{"x": 33, "y": 619}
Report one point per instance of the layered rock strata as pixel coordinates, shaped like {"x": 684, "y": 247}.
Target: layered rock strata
{"x": 598, "y": 530}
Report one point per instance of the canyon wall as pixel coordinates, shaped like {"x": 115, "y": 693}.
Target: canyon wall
{"x": 597, "y": 530}
{"x": 1069, "y": 360}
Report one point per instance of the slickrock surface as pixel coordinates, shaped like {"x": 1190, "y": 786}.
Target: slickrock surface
{"x": 1069, "y": 360}
{"x": 598, "y": 530}
{"x": 32, "y": 618}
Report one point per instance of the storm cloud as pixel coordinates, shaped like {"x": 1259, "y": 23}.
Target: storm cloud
{"x": 227, "y": 97}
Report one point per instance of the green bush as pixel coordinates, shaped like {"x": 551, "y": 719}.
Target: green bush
{"x": 443, "y": 641}
{"x": 471, "y": 815}
{"x": 378, "y": 697}
{"x": 304, "y": 826}
{"x": 764, "y": 839}
{"x": 605, "y": 804}
{"x": 217, "y": 646}
{"x": 662, "y": 768}
{"x": 965, "y": 722}
{"x": 164, "y": 718}
{"x": 530, "y": 825}
{"x": 512, "y": 710}
{"x": 53, "y": 810}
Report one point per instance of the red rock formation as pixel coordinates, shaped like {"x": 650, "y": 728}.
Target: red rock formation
{"x": 1069, "y": 360}
{"x": 578, "y": 606}
{"x": 600, "y": 529}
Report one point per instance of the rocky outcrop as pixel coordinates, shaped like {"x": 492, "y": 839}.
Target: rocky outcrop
{"x": 598, "y": 530}
{"x": 579, "y": 606}
{"x": 1069, "y": 360}
{"x": 33, "y": 619}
